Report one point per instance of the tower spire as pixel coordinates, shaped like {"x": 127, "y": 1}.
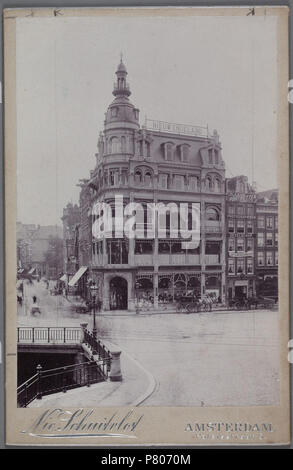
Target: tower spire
{"x": 121, "y": 87}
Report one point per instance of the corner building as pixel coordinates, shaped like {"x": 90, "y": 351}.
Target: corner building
{"x": 152, "y": 163}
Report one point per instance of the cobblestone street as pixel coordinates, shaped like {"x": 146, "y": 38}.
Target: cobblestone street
{"x": 186, "y": 354}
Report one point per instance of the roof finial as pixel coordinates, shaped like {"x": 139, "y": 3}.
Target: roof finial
{"x": 121, "y": 57}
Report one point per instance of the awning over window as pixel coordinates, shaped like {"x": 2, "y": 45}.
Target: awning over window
{"x": 32, "y": 270}
{"x": 77, "y": 276}
{"x": 63, "y": 278}
{"x": 20, "y": 271}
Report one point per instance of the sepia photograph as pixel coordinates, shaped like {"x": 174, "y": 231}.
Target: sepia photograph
{"x": 147, "y": 211}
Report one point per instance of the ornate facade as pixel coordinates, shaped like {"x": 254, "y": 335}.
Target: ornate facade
{"x": 152, "y": 163}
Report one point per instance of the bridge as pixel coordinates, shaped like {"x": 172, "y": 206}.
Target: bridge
{"x": 101, "y": 364}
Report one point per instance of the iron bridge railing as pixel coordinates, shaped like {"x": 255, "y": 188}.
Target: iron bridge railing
{"x": 43, "y": 335}
{"x": 61, "y": 379}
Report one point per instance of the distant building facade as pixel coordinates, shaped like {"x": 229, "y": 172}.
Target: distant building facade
{"x": 33, "y": 242}
{"x": 266, "y": 260}
{"x": 241, "y": 231}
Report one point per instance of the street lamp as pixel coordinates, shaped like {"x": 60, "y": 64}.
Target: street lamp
{"x": 94, "y": 290}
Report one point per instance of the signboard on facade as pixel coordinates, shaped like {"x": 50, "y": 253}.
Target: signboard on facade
{"x": 240, "y": 254}
{"x": 173, "y": 128}
{"x": 241, "y": 197}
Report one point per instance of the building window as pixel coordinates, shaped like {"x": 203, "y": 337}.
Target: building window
{"x": 269, "y": 221}
{"x": 261, "y": 221}
{"x": 209, "y": 183}
{"x": 148, "y": 149}
{"x": 114, "y": 112}
{"x": 249, "y": 244}
{"x": 231, "y": 227}
{"x": 123, "y": 144}
{"x": 231, "y": 244}
{"x": 113, "y": 177}
{"x": 240, "y": 266}
{"x": 184, "y": 152}
{"x": 193, "y": 183}
{"x": 276, "y": 238}
{"x": 240, "y": 244}
{"x": 179, "y": 181}
{"x": 240, "y": 210}
{"x": 260, "y": 258}
{"x": 240, "y": 226}
{"x": 249, "y": 266}
{"x": 117, "y": 251}
{"x": 231, "y": 210}
{"x": 163, "y": 180}
{"x": 210, "y": 155}
{"x": 141, "y": 148}
{"x": 143, "y": 247}
{"x": 216, "y": 157}
{"x": 138, "y": 177}
{"x": 212, "y": 214}
{"x": 276, "y": 221}
{"x": 249, "y": 226}
{"x": 269, "y": 258}
{"x": 231, "y": 266}
{"x": 276, "y": 258}
{"x": 148, "y": 179}
{"x": 250, "y": 210}
{"x": 168, "y": 151}
{"x": 217, "y": 185}
{"x": 269, "y": 240}
{"x": 115, "y": 146}
{"x": 124, "y": 176}
{"x": 260, "y": 239}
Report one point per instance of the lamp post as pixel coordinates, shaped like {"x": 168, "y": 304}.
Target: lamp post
{"x": 94, "y": 290}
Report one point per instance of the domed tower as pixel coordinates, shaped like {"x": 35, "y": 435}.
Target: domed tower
{"x": 121, "y": 119}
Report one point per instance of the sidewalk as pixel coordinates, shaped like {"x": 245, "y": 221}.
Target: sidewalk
{"x": 137, "y": 384}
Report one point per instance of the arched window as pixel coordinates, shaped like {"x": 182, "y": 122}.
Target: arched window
{"x": 138, "y": 177}
{"x": 123, "y": 144}
{"x": 184, "y": 152}
{"x": 212, "y": 214}
{"x": 148, "y": 178}
{"x": 209, "y": 184}
{"x": 141, "y": 148}
{"x": 168, "y": 147}
{"x": 217, "y": 185}
{"x": 115, "y": 146}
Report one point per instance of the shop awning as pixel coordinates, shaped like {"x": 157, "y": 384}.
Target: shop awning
{"x": 20, "y": 271}
{"x": 77, "y": 276}
{"x": 32, "y": 270}
{"x": 63, "y": 278}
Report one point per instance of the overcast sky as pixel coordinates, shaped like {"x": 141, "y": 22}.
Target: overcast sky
{"x": 199, "y": 70}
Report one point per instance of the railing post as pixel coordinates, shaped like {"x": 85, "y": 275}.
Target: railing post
{"x": 39, "y": 391}
{"x": 25, "y": 395}
{"x": 18, "y": 334}
{"x": 115, "y": 371}
{"x": 64, "y": 332}
{"x": 49, "y": 335}
{"x": 83, "y": 330}
{"x": 33, "y": 335}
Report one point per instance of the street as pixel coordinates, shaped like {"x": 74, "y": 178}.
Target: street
{"x": 207, "y": 359}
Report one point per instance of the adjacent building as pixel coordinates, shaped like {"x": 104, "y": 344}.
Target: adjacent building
{"x": 240, "y": 232}
{"x": 266, "y": 260}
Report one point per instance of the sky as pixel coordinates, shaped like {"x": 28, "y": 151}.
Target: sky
{"x": 215, "y": 71}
